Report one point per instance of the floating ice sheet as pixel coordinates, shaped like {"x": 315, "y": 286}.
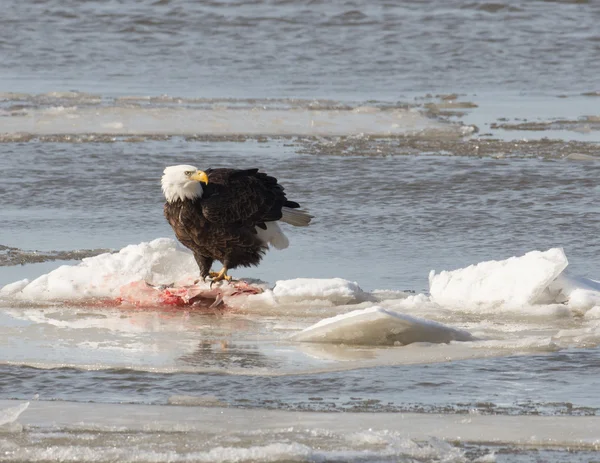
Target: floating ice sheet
{"x": 318, "y": 316}
{"x": 257, "y": 121}
{"x": 534, "y": 279}
{"x": 125, "y": 432}
{"x": 159, "y": 273}
{"x": 376, "y": 326}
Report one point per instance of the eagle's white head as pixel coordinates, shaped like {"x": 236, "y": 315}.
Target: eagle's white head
{"x": 182, "y": 182}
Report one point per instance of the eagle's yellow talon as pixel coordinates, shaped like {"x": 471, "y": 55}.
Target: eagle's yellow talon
{"x": 220, "y": 276}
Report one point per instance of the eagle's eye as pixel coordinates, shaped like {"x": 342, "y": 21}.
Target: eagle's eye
{"x": 188, "y": 173}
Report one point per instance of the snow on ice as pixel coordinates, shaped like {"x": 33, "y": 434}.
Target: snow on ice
{"x": 513, "y": 282}
{"x": 334, "y": 290}
{"x": 157, "y": 262}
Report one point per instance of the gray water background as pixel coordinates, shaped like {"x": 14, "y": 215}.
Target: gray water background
{"x": 382, "y": 221}
{"x": 341, "y": 49}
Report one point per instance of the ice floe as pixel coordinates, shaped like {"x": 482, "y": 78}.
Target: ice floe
{"x": 532, "y": 279}
{"x": 160, "y": 273}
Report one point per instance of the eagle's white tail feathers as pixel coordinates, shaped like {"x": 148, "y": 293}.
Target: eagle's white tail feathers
{"x": 295, "y": 217}
{"x": 273, "y": 235}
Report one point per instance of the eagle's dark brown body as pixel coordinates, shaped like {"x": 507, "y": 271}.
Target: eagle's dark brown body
{"x": 221, "y": 225}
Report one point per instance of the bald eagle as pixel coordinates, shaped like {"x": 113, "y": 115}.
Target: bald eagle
{"x": 229, "y": 215}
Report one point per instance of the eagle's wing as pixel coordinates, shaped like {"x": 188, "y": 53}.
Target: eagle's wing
{"x": 242, "y": 197}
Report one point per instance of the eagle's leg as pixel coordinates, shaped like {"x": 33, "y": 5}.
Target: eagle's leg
{"x": 204, "y": 263}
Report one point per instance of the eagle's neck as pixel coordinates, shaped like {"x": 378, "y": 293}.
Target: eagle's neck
{"x": 181, "y": 192}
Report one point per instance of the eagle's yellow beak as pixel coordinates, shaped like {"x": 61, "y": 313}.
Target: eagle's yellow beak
{"x": 200, "y": 176}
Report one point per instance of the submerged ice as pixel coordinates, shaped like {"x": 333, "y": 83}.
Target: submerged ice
{"x": 378, "y": 326}
{"x": 464, "y": 305}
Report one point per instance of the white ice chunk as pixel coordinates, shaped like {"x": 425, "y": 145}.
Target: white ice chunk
{"x": 583, "y": 299}
{"x": 10, "y": 415}
{"x": 509, "y": 283}
{"x": 335, "y": 290}
{"x": 13, "y": 288}
{"x": 377, "y": 326}
{"x": 160, "y": 261}
{"x": 593, "y": 313}
{"x": 581, "y": 293}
